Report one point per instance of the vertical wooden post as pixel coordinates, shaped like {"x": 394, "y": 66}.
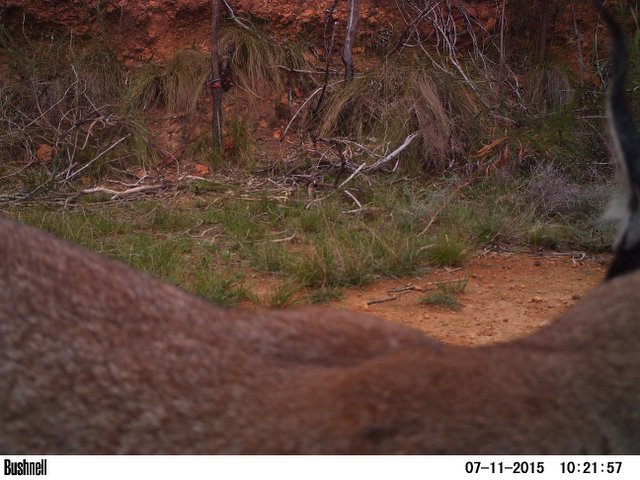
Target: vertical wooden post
{"x": 215, "y": 84}
{"x": 541, "y": 46}
{"x": 502, "y": 65}
{"x": 349, "y": 39}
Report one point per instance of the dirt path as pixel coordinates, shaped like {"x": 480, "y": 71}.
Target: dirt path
{"x": 507, "y": 296}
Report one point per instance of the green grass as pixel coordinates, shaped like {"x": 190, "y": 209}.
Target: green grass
{"x": 446, "y": 252}
{"x": 325, "y": 294}
{"x": 442, "y": 299}
{"x": 216, "y": 285}
{"x": 284, "y": 295}
{"x": 207, "y": 243}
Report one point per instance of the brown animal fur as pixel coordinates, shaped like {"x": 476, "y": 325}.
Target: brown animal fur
{"x": 98, "y": 358}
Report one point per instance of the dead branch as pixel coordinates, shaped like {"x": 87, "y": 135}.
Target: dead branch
{"x": 241, "y": 22}
{"x": 122, "y": 193}
{"x": 96, "y": 158}
{"x": 381, "y": 300}
{"x": 353, "y": 175}
{"x": 388, "y": 158}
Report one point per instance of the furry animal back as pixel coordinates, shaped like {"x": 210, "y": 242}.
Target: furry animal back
{"x": 98, "y": 358}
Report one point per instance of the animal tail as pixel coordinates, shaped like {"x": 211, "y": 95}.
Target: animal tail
{"x": 626, "y": 142}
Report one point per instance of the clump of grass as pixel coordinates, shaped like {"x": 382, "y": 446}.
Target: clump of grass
{"x": 326, "y": 294}
{"x": 383, "y": 107}
{"x": 161, "y": 257}
{"x": 241, "y": 151}
{"x": 170, "y": 220}
{"x": 552, "y": 192}
{"x": 488, "y": 228}
{"x": 354, "y": 255}
{"x": 442, "y": 299}
{"x": 267, "y": 257}
{"x": 326, "y": 263}
{"x": 545, "y": 235}
{"x": 446, "y": 252}
{"x": 239, "y": 147}
{"x": 217, "y": 285}
{"x": 177, "y": 85}
{"x": 563, "y": 136}
{"x": 201, "y": 150}
{"x": 219, "y": 290}
{"x": 84, "y": 227}
{"x": 446, "y": 296}
{"x": 284, "y": 295}
{"x": 239, "y": 220}
{"x": 548, "y": 87}
{"x": 252, "y": 59}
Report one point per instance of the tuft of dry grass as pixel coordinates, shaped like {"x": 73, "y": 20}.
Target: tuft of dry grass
{"x": 548, "y": 87}
{"x": 380, "y": 109}
{"x": 253, "y": 60}
{"x": 177, "y": 85}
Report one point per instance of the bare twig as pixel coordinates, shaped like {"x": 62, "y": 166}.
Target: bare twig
{"x": 353, "y": 175}
{"x": 96, "y": 158}
{"x": 241, "y": 22}
{"x": 388, "y": 158}
{"x": 381, "y": 300}
{"x": 122, "y": 193}
{"x": 309, "y": 98}
{"x": 355, "y": 200}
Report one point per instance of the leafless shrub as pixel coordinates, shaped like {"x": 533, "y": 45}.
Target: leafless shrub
{"x": 61, "y": 108}
{"x": 552, "y": 192}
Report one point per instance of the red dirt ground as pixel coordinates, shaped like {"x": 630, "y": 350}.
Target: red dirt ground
{"x": 507, "y": 296}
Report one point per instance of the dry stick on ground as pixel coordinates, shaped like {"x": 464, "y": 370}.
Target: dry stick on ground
{"x": 383, "y": 161}
{"x": 398, "y": 291}
{"x": 447, "y": 282}
{"x": 96, "y": 158}
{"x": 130, "y": 191}
{"x": 381, "y": 300}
